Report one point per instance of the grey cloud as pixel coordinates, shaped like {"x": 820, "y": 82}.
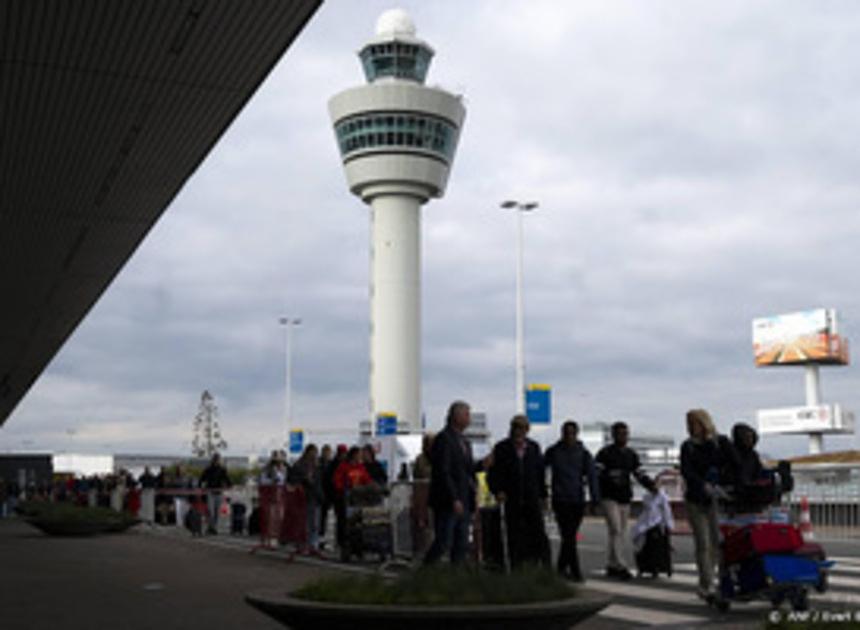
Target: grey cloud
{"x": 695, "y": 165}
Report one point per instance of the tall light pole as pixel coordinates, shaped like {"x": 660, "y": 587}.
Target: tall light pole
{"x": 288, "y": 324}
{"x": 520, "y": 208}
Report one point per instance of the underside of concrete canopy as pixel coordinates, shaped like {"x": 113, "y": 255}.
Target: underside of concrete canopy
{"x": 106, "y": 109}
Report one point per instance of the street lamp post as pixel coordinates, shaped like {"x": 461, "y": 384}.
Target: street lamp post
{"x": 288, "y": 324}
{"x": 520, "y": 207}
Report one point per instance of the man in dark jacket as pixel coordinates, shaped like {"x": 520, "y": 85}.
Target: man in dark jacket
{"x": 517, "y": 479}
{"x": 751, "y": 488}
{"x": 616, "y": 463}
{"x": 215, "y": 480}
{"x": 452, "y": 486}
{"x": 572, "y": 469}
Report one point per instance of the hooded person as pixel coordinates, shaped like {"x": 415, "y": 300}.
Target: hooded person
{"x": 752, "y": 487}
{"x": 749, "y": 467}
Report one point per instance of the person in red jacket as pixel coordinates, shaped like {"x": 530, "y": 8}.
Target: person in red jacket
{"x": 351, "y": 472}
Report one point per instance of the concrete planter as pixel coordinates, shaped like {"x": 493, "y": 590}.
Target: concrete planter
{"x": 301, "y": 614}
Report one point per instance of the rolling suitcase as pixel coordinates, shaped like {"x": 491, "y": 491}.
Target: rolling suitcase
{"x": 655, "y": 556}
{"x": 237, "y": 519}
{"x": 194, "y": 521}
{"x": 254, "y": 522}
{"x": 760, "y": 538}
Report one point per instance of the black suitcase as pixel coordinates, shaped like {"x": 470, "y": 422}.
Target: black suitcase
{"x": 237, "y": 519}
{"x": 492, "y": 554}
{"x": 194, "y": 521}
{"x": 655, "y": 557}
{"x": 254, "y": 522}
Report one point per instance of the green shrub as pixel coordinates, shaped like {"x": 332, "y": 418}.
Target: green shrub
{"x": 441, "y": 586}
{"x": 46, "y": 511}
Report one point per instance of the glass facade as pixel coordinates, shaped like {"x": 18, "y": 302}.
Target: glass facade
{"x": 396, "y": 59}
{"x": 384, "y": 130}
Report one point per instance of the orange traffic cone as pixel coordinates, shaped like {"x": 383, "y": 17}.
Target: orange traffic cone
{"x": 805, "y": 520}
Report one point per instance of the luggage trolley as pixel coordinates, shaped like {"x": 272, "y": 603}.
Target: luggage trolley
{"x": 762, "y": 553}
{"x": 368, "y": 523}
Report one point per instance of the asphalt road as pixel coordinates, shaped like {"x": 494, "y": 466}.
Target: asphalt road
{"x": 672, "y": 601}
{"x": 132, "y": 581}
{"x": 162, "y": 578}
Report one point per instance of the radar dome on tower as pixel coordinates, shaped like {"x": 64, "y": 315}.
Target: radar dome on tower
{"x": 395, "y": 22}
{"x": 395, "y": 51}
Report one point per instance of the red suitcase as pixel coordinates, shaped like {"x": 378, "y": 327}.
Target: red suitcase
{"x": 760, "y": 538}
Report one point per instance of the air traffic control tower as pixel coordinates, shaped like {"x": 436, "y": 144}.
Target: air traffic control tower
{"x": 397, "y": 139}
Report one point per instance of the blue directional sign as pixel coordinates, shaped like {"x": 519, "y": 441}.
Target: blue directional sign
{"x": 539, "y": 404}
{"x": 297, "y": 441}
{"x": 386, "y": 424}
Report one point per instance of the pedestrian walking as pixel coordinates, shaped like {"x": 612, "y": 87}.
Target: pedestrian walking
{"x": 309, "y": 476}
{"x": 334, "y": 498}
{"x": 701, "y": 461}
{"x": 422, "y": 516}
{"x": 517, "y": 479}
{"x": 215, "y": 480}
{"x": 349, "y": 476}
{"x": 616, "y": 464}
{"x": 571, "y": 466}
{"x": 326, "y": 455}
{"x": 452, "y": 486}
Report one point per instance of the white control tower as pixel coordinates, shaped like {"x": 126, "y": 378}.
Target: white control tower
{"x": 397, "y": 139}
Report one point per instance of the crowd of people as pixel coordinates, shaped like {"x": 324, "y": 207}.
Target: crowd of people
{"x": 326, "y": 476}
{"x": 104, "y": 490}
{"x": 445, "y": 485}
{"x": 516, "y": 472}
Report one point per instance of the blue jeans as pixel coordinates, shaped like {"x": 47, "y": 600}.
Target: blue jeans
{"x": 451, "y": 532}
{"x": 214, "y": 506}
{"x": 313, "y": 523}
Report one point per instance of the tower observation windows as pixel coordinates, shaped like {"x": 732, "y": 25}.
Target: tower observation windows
{"x": 427, "y": 133}
{"x": 400, "y": 60}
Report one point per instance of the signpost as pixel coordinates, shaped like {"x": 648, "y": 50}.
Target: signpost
{"x": 297, "y": 441}
{"x": 386, "y": 424}
{"x": 539, "y": 404}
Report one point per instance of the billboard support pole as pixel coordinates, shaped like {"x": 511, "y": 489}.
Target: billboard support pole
{"x": 813, "y": 399}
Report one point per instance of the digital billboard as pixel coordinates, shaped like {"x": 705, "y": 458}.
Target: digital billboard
{"x": 814, "y": 419}
{"x": 799, "y": 338}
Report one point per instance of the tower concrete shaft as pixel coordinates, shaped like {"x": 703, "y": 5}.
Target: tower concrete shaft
{"x": 397, "y": 140}
{"x": 395, "y": 307}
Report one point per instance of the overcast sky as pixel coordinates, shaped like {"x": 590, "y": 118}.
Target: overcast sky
{"x": 696, "y": 165}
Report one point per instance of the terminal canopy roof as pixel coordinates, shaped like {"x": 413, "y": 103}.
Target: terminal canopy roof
{"x": 106, "y": 108}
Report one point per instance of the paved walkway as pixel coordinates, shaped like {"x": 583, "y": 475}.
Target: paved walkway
{"x": 161, "y": 578}
{"x": 134, "y": 580}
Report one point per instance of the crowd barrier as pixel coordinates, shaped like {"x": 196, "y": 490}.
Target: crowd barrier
{"x": 833, "y": 514}
{"x": 283, "y": 518}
